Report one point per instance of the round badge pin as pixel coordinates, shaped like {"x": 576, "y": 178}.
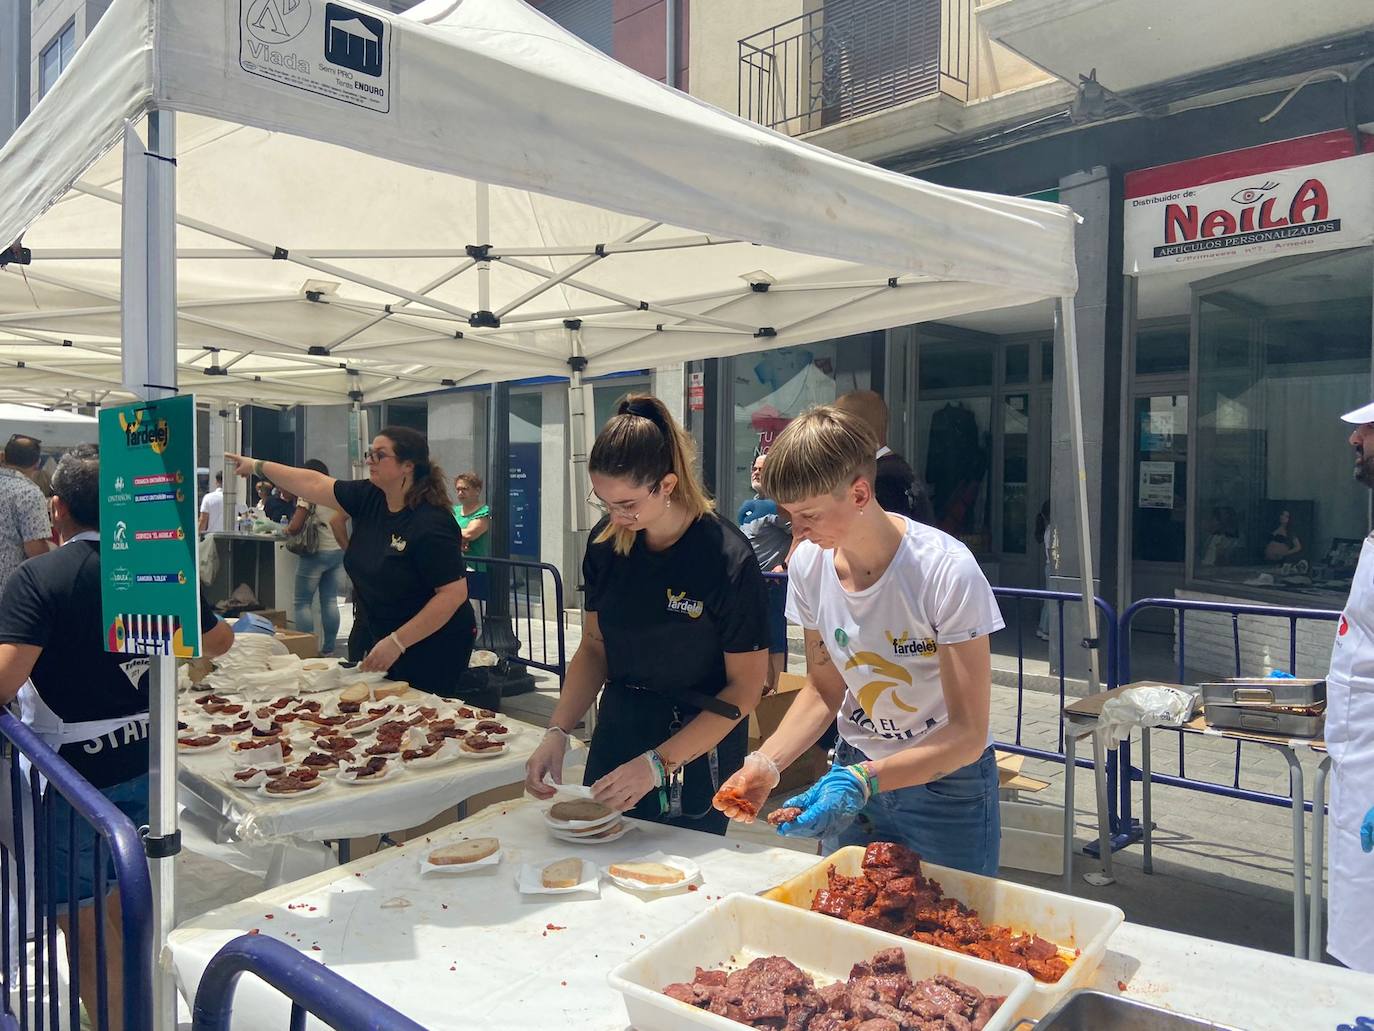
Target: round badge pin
{"x": 841, "y": 638}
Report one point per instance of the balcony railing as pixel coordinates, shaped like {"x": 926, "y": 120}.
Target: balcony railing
{"x": 853, "y": 57}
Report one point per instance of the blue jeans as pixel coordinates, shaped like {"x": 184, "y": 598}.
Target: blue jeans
{"x": 953, "y": 821}
{"x": 131, "y": 798}
{"x": 322, "y": 572}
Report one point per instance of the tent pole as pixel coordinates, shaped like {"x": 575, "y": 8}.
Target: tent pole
{"x": 233, "y": 431}
{"x": 149, "y": 299}
{"x": 1068, "y": 323}
{"x": 358, "y": 439}
{"x": 483, "y": 199}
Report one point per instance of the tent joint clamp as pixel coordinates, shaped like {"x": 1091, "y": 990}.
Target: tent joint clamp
{"x": 280, "y": 254}
{"x": 578, "y": 363}
{"x": 163, "y": 846}
{"x": 484, "y": 320}
{"x": 479, "y": 251}
{"x": 766, "y": 331}
{"x": 1092, "y": 643}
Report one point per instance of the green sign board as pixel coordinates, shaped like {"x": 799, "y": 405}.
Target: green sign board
{"x": 150, "y": 600}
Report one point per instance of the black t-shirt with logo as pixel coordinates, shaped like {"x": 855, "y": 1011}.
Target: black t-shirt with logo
{"x": 668, "y": 618}
{"x": 396, "y": 561}
{"x": 53, "y": 602}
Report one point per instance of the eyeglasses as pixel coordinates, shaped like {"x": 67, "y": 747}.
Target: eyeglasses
{"x": 628, "y": 509}
{"x": 373, "y": 455}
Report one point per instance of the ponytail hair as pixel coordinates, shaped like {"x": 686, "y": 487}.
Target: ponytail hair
{"x": 643, "y": 443}
{"x": 429, "y": 485}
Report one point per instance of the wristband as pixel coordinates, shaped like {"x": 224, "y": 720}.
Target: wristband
{"x": 257, "y": 468}
{"x": 657, "y": 764}
{"x": 396, "y": 641}
{"x": 866, "y": 778}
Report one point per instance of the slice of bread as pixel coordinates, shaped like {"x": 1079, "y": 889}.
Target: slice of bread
{"x": 461, "y": 852}
{"x": 389, "y": 689}
{"x": 565, "y": 873}
{"x": 582, "y": 810}
{"x": 356, "y": 693}
{"x": 648, "y": 873}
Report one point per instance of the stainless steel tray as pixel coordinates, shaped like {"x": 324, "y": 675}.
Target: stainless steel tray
{"x": 1089, "y": 1010}
{"x": 1265, "y": 720}
{"x": 1265, "y": 691}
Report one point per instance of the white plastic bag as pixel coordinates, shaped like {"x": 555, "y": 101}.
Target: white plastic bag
{"x": 1144, "y": 707}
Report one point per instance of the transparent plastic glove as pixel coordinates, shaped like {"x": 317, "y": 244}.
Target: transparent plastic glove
{"x": 1367, "y": 831}
{"x": 546, "y": 761}
{"x": 742, "y": 796}
{"x": 625, "y": 785}
{"x": 828, "y": 807}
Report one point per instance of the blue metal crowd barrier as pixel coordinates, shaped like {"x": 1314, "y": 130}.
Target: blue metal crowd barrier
{"x": 28, "y": 866}
{"x": 536, "y": 619}
{"x": 313, "y": 989}
{"x": 1181, "y": 607}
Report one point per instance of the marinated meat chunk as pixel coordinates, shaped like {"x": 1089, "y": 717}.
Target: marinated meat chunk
{"x": 772, "y": 993}
{"x": 891, "y": 895}
{"x": 351, "y": 708}
{"x": 784, "y": 814}
{"x": 228, "y": 728}
{"x": 490, "y": 727}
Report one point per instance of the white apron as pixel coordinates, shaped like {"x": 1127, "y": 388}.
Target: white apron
{"x": 1350, "y": 740}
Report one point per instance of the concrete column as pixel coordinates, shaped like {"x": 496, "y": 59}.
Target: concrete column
{"x": 1090, "y": 194}
{"x": 669, "y": 384}
{"x": 458, "y": 432}
{"x": 325, "y": 436}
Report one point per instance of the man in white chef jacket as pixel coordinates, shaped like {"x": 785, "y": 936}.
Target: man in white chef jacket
{"x": 1350, "y": 740}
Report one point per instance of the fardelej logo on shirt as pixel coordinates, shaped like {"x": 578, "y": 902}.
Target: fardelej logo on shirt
{"x": 679, "y": 602}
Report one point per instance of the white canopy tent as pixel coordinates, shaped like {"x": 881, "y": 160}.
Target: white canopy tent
{"x": 335, "y": 204}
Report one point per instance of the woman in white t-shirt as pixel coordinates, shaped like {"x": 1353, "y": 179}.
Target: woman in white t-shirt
{"x": 897, "y": 617}
{"x": 320, "y": 573}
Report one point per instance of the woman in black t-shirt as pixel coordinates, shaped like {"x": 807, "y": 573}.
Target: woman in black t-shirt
{"x": 405, "y": 557}
{"x": 674, "y": 626}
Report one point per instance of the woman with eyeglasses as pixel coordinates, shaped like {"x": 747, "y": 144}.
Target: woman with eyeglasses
{"x": 674, "y": 627}
{"x": 404, "y": 556}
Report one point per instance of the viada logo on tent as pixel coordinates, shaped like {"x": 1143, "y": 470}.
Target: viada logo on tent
{"x": 277, "y": 21}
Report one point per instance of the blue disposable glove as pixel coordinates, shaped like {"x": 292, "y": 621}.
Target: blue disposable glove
{"x": 828, "y": 806}
{"x": 1367, "y": 831}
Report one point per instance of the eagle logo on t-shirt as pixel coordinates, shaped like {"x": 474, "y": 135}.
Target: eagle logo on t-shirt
{"x": 398, "y": 543}
{"x": 891, "y": 675}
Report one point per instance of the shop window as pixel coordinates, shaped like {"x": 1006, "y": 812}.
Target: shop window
{"x": 771, "y": 388}
{"x": 1016, "y": 364}
{"x": 956, "y": 439}
{"x": 1161, "y": 483}
{"x": 526, "y": 455}
{"x": 1281, "y": 354}
{"x": 411, "y": 414}
{"x": 1015, "y": 471}
{"x": 1047, "y": 361}
{"x": 1159, "y": 351}
{"x": 955, "y": 365}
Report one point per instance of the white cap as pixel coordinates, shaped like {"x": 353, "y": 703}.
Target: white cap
{"x": 1361, "y": 415}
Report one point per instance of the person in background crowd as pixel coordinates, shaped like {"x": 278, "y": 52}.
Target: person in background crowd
{"x": 897, "y": 618}
{"x": 474, "y": 520}
{"x": 404, "y": 556}
{"x": 88, "y": 704}
{"x": 212, "y": 508}
{"x": 321, "y": 573}
{"x": 24, "y": 522}
{"x": 674, "y": 626}
{"x": 896, "y": 488}
{"x": 770, "y": 536}
{"x": 280, "y": 505}
{"x": 757, "y": 506}
{"x": 1044, "y": 536}
{"x": 1350, "y": 742}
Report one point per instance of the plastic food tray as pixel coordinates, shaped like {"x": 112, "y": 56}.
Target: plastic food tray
{"x": 742, "y": 928}
{"x": 1069, "y": 922}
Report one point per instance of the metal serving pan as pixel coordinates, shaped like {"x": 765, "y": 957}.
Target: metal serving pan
{"x": 1292, "y": 722}
{"x": 1264, "y": 692}
{"x": 1089, "y": 1010}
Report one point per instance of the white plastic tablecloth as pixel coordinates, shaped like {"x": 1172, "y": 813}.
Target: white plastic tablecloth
{"x": 470, "y": 951}
{"x": 405, "y": 799}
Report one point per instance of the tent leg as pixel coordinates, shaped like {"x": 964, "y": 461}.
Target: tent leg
{"x": 233, "y": 430}
{"x": 149, "y": 299}
{"x": 1085, "y": 551}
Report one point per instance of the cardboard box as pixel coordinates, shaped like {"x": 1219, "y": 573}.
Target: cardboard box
{"x": 277, "y": 616}
{"x": 767, "y": 717}
{"x": 307, "y": 646}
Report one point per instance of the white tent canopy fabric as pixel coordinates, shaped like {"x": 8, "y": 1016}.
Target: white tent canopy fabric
{"x": 326, "y": 248}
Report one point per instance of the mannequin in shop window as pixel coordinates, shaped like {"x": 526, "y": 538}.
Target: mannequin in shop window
{"x": 1283, "y": 545}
